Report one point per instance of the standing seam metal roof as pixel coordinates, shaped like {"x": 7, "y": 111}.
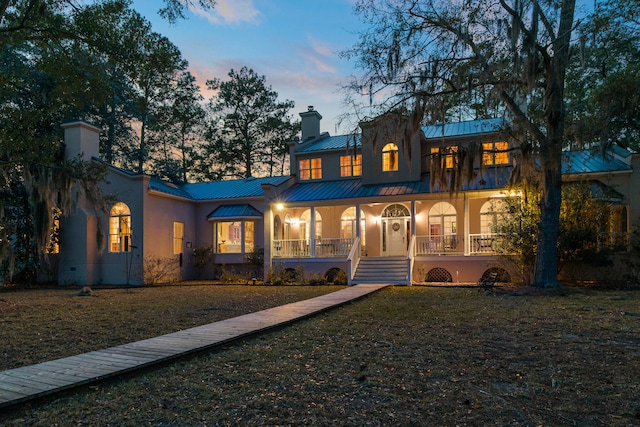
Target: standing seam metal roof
{"x": 248, "y": 187}
{"x": 447, "y": 130}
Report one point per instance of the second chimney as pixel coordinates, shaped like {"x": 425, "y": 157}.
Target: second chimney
{"x": 310, "y": 124}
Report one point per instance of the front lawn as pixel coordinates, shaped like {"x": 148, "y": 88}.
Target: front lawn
{"x": 404, "y": 356}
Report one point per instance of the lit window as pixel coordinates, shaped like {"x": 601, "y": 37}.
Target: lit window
{"x": 491, "y": 213}
{"x": 248, "y": 236}
{"x": 229, "y": 236}
{"x": 311, "y": 169}
{"x": 449, "y": 152}
{"x": 390, "y": 157}
{"x": 178, "y": 235}
{"x": 495, "y": 153}
{"x": 120, "y": 228}
{"x": 348, "y": 225}
{"x": 305, "y": 225}
{"x": 351, "y": 165}
{"x": 54, "y": 236}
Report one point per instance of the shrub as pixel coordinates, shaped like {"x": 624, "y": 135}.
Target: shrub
{"x": 202, "y": 257}
{"x": 232, "y": 276}
{"x": 160, "y": 270}
{"x": 315, "y": 279}
{"x": 256, "y": 259}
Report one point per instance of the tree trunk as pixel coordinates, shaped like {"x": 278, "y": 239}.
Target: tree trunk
{"x": 546, "y": 271}
{"x": 545, "y": 274}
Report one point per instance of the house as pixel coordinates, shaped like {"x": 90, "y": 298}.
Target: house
{"x": 376, "y": 210}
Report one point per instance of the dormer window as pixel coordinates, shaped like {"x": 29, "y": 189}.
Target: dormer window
{"x": 390, "y": 157}
{"x": 495, "y": 153}
{"x": 448, "y": 152}
{"x": 310, "y": 169}
{"x": 351, "y": 165}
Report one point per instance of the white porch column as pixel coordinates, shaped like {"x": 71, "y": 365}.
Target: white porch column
{"x": 312, "y": 237}
{"x": 358, "y": 219}
{"x": 467, "y": 243}
{"x": 413, "y": 218}
{"x": 267, "y": 239}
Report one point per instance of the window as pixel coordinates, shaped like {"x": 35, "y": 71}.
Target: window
{"x": 491, "y": 213}
{"x": 311, "y": 169}
{"x": 248, "y": 236}
{"x": 442, "y": 220}
{"x": 305, "y": 225}
{"x": 351, "y": 165}
{"x": 495, "y": 153}
{"x": 120, "y": 228}
{"x": 178, "y": 235}
{"x": 390, "y": 157}
{"x": 448, "y": 153}
{"x": 54, "y": 237}
{"x": 348, "y": 225}
{"x": 229, "y": 236}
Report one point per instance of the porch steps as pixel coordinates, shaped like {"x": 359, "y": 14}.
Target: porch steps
{"x": 390, "y": 270}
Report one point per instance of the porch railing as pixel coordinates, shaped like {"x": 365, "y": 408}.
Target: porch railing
{"x": 322, "y": 248}
{"x": 411, "y": 253}
{"x": 291, "y": 248}
{"x": 333, "y": 247}
{"x": 447, "y": 244}
{"x": 483, "y": 243}
{"x": 353, "y": 259}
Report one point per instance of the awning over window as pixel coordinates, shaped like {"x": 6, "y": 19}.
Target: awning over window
{"x": 231, "y": 212}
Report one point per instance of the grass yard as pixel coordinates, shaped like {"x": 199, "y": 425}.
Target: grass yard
{"x": 405, "y": 356}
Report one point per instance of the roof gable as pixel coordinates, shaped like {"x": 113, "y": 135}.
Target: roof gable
{"x": 239, "y": 211}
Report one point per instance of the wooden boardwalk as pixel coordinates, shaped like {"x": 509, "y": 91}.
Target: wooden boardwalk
{"x": 30, "y": 382}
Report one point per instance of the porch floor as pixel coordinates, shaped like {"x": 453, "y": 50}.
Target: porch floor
{"x": 30, "y": 382}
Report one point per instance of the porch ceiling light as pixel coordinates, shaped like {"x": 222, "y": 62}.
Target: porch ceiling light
{"x": 279, "y": 206}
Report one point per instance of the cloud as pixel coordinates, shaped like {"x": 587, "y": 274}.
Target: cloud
{"x": 229, "y": 11}
{"x": 320, "y": 55}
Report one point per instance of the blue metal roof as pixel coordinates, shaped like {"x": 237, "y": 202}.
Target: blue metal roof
{"x": 575, "y": 162}
{"x": 353, "y": 188}
{"x": 234, "y": 212}
{"x": 468, "y": 128}
{"x": 167, "y": 188}
{"x": 448, "y": 130}
{"x": 592, "y": 161}
{"x": 332, "y": 143}
{"x": 247, "y": 187}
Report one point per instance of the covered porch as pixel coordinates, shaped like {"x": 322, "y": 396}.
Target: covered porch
{"x": 340, "y": 234}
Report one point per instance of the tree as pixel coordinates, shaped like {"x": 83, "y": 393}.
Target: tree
{"x": 27, "y": 14}
{"x": 603, "y": 89}
{"x": 584, "y": 224}
{"x": 182, "y": 116}
{"x": 63, "y": 61}
{"x": 246, "y": 115}
{"x": 418, "y": 52}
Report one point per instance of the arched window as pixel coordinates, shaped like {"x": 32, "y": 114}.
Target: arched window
{"x": 348, "y": 225}
{"x": 396, "y": 210}
{"x": 277, "y": 227}
{"x": 442, "y": 219}
{"x": 305, "y": 225}
{"x": 120, "y": 228}
{"x": 390, "y": 157}
{"x": 491, "y": 212}
{"x": 287, "y": 227}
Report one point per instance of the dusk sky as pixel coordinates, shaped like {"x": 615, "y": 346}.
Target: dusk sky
{"x": 293, "y": 43}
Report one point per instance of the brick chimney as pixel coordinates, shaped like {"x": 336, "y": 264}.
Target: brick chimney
{"x": 310, "y": 124}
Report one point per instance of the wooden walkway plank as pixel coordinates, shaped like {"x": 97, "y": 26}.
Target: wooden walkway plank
{"x": 29, "y": 382}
